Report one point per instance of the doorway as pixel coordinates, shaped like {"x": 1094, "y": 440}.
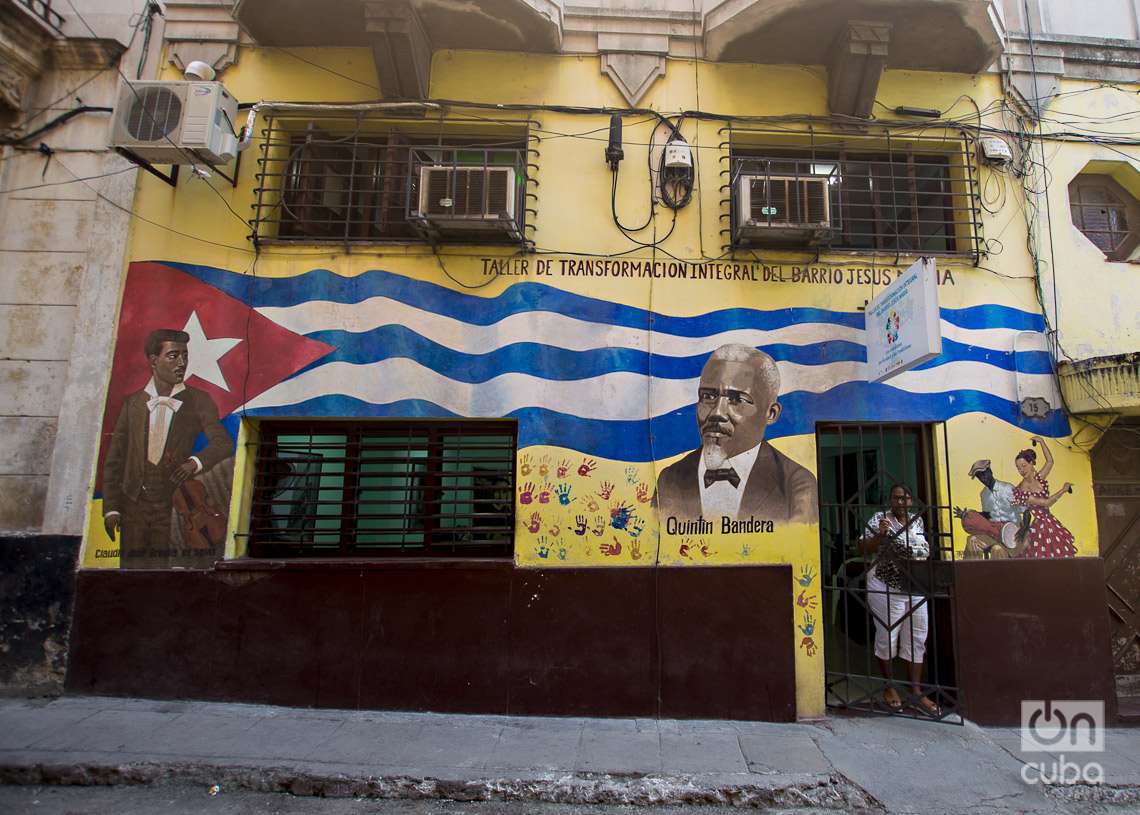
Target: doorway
{"x": 858, "y": 465}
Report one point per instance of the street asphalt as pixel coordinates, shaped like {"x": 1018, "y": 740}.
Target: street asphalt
{"x": 869, "y": 764}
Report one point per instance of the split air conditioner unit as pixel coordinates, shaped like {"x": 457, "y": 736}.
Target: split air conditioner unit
{"x": 177, "y": 122}
{"x": 783, "y": 210}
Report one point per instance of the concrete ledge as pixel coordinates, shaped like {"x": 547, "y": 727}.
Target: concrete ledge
{"x": 826, "y": 791}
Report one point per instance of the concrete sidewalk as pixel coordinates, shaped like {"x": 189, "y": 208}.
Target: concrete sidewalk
{"x": 870, "y": 764}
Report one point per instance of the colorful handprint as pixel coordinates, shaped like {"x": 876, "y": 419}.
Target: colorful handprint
{"x": 580, "y": 525}
{"x": 685, "y": 550}
{"x": 562, "y": 553}
{"x": 620, "y": 515}
{"x": 535, "y": 523}
{"x": 643, "y": 492}
{"x": 563, "y": 468}
{"x": 632, "y": 476}
{"x": 807, "y": 575}
{"x": 563, "y": 491}
{"x": 808, "y": 625}
{"x": 745, "y": 550}
{"x": 808, "y": 644}
{"x": 544, "y": 497}
{"x": 599, "y": 526}
{"x": 636, "y": 527}
{"x": 592, "y": 505}
{"x": 524, "y": 466}
{"x": 587, "y": 466}
{"x": 635, "y": 549}
{"x": 543, "y": 548}
{"x": 555, "y": 531}
{"x": 527, "y": 494}
{"x": 610, "y": 549}
{"x": 544, "y": 466}
{"x": 606, "y": 490}
{"x": 805, "y": 600}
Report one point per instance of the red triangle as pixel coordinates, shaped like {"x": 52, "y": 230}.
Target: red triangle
{"x": 158, "y": 296}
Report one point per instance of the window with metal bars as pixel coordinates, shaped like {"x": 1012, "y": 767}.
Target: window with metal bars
{"x": 334, "y": 181}
{"x": 915, "y": 199}
{"x": 386, "y": 488}
{"x": 1106, "y": 213}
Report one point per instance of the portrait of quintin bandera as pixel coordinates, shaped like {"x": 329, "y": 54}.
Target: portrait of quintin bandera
{"x": 736, "y": 474}
{"x": 149, "y": 454}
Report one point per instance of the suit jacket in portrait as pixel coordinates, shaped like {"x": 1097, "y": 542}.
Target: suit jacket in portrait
{"x": 126, "y": 456}
{"x": 778, "y": 489}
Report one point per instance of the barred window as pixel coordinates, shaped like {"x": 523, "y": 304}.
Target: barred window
{"x": 1106, "y": 213}
{"x": 385, "y": 488}
{"x": 338, "y": 181}
{"x": 853, "y": 194}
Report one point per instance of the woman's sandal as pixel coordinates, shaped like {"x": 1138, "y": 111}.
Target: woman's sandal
{"x": 892, "y": 700}
{"x": 929, "y": 707}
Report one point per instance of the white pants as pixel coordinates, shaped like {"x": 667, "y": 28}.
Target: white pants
{"x": 896, "y": 634}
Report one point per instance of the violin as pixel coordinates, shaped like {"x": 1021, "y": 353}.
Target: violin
{"x": 203, "y": 527}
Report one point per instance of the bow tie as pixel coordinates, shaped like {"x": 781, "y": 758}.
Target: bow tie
{"x": 164, "y": 401}
{"x": 723, "y": 474}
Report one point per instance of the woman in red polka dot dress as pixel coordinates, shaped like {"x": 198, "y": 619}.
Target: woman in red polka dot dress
{"x": 1048, "y": 537}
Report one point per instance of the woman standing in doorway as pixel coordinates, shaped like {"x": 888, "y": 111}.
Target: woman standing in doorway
{"x": 901, "y": 619}
{"x": 1048, "y": 537}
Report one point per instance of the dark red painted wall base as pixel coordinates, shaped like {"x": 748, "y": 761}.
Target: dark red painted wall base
{"x": 469, "y": 637}
{"x": 1031, "y": 629}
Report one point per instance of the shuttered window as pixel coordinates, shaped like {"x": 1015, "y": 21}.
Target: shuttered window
{"x": 388, "y": 488}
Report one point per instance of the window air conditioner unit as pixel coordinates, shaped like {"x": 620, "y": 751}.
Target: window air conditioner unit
{"x": 777, "y": 209}
{"x": 461, "y": 199}
{"x": 176, "y": 122}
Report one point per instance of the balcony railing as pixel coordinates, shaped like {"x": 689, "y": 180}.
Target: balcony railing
{"x": 42, "y": 10}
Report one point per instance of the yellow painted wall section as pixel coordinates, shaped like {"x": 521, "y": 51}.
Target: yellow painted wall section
{"x": 567, "y": 499}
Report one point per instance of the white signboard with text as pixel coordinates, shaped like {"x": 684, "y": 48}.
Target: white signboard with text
{"x": 903, "y": 324}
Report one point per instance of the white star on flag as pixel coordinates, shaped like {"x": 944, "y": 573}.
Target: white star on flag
{"x": 204, "y": 353}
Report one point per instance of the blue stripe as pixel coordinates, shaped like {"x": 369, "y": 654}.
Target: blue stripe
{"x": 551, "y": 362}
{"x": 676, "y": 432}
{"x": 322, "y": 284}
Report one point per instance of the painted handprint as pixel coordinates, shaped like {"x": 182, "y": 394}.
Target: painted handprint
{"x": 563, "y": 468}
{"x": 587, "y": 466}
{"x": 544, "y": 497}
{"x": 591, "y": 505}
{"x": 543, "y": 548}
{"x": 555, "y": 531}
{"x": 610, "y": 549}
{"x": 563, "y": 491}
{"x": 599, "y": 526}
{"x": 631, "y": 475}
{"x": 808, "y": 644}
{"x": 705, "y": 550}
{"x": 745, "y": 550}
{"x": 807, "y": 575}
{"x": 544, "y": 466}
{"x": 606, "y": 490}
{"x": 643, "y": 492}
{"x": 620, "y": 515}
{"x": 527, "y": 494}
{"x": 524, "y": 466}
{"x": 808, "y": 626}
{"x": 580, "y": 525}
{"x": 635, "y": 549}
{"x": 805, "y": 600}
{"x": 535, "y": 524}
{"x": 685, "y": 550}
{"x": 562, "y": 553}
{"x": 636, "y": 527}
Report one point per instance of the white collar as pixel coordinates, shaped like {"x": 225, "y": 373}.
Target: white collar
{"x": 741, "y": 462}
{"x": 152, "y": 391}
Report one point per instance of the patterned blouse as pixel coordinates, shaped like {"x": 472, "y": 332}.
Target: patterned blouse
{"x": 908, "y": 544}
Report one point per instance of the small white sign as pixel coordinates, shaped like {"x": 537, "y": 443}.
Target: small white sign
{"x": 903, "y": 324}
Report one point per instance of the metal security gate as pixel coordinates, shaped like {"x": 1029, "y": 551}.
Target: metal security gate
{"x": 858, "y": 466}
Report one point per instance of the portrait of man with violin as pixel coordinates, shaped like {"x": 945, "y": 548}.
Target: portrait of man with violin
{"x": 150, "y": 467}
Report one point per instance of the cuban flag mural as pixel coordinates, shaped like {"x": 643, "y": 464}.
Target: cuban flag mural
{"x": 594, "y": 376}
